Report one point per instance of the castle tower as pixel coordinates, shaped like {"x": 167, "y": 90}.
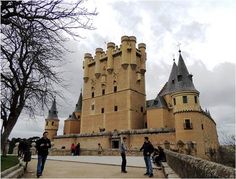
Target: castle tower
{"x": 114, "y": 87}
{"x": 72, "y": 124}
{"x": 194, "y": 127}
{"x": 52, "y": 121}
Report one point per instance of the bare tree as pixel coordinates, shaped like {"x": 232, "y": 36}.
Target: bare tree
{"x": 32, "y": 47}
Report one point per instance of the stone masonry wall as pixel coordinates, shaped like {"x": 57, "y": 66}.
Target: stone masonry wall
{"x": 187, "y": 166}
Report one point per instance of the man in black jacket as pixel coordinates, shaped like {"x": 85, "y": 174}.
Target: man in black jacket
{"x": 147, "y": 151}
{"x": 42, "y": 146}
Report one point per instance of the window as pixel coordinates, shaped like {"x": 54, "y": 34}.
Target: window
{"x": 115, "y": 144}
{"x": 102, "y": 110}
{"x": 185, "y": 99}
{"x": 202, "y": 127}
{"x": 188, "y": 124}
{"x": 92, "y": 107}
{"x": 54, "y": 112}
{"x": 52, "y": 123}
{"x": 145, "y": 125}
{"x": 173, "y": 81}
{"x": 141, "y": 109}
{"x": 92, "y": 94}
{"x": 116, "y": 108}
{"x": 115, "y": 89}
{"x": 180, "y": 78}
{"x": 46, "y": 123}
{"x": 174, "y": 101}
{"x": 103, "y": 92}
{"x": 195, "y": 99}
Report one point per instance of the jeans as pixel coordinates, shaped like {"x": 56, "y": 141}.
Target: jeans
{"x": 41, "y": 162}
{"x": 148, "y": 163}
{"x": 123, "y": 164}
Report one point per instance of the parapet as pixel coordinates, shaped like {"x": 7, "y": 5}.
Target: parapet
{"x": 88, "y": 55}
{"x": 111, "y": 45}
{"x": 142, "y": 45}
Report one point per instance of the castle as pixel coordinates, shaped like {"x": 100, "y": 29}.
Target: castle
{"x": 114, "y": 105}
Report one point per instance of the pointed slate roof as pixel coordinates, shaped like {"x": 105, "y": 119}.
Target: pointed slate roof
{"x": 72, "y": 117}
{"x": 179, "y": 79}
{"x": 52, "y": 113}
{"x": 158, "y": 102}
{"x": 78, "y": 106}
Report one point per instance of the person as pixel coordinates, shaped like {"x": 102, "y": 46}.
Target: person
{"x": 77, "y": 149}
{"x": 42, "y": 146}
{"x": 160, "y": 157}
{"x": 123, "y": 149}
{"x": 147, "y": 151}
{"x": 20, "y": 148}
{"x": 99, "y": 149}
{"x": 72, "y": 149}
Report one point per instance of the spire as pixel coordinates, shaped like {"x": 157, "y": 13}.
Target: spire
{"x": 179, "y": 79}
{"x": 78, "y": 106}
{"x": 52, "y": 113}
{"x": 182, "y": 69}
{"x": 172, "y": 77}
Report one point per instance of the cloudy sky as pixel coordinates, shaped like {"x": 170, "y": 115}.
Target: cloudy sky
{"x": 205, "y": 29}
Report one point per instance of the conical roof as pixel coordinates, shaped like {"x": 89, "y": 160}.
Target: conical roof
{"x": 72, "y": 116}
{"x": 179, "y": 79}
{"x": 78, "y": 106}
{"x": 52, "y": 113}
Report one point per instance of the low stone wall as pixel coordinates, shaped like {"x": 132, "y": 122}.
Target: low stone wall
{"x": 187, "y": 166}
{"x": 106, "y": 152}
{"x": 16, "y": 171}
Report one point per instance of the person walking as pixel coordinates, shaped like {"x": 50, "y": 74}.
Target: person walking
{"x": 99, "y": 149}
{"x": 147, "y": 151}
{"x": 42, "y": 146}
{"x": 123, "y": 149}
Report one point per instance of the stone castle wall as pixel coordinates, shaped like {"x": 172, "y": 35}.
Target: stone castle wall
{"x": 192, "y": 167}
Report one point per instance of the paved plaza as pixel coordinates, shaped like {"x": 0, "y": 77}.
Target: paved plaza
{"x": 90, "y": 167}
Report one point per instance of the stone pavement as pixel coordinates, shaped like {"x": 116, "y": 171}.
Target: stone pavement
{"x": 90, "y": 167}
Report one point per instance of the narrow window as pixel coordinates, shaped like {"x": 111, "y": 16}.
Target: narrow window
{"x": 174, "y": 101}
{"x": 179, "y": 77}
{"x": 145, "y": 125}
{"x": 185, "y": 99}
{"x": 141, "y": 109}
{"x": 52, "y": 123}
{"x": 116, "y": 108}
{"x": 102, "y": 110}
{"x": 46, "y": 123}
{"x": 115, "y": 89}
{"x": 92, "y": 94}
{"x": 195, "y": 99}
{"x": 187, "y": 124}
{"x": 92, "y": 107}
{"x": 173, "y": 81}
{"x": 103, "y": 92}
{"x": 202, "y": 127}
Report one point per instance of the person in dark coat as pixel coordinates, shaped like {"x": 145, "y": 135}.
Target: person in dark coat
{"x": 123, "y": 150}
{"x": 147, "y": 151}
{"x": 160, "y": 157}
{"x": 77, "y": 149}
{"x": 42, "y": 146}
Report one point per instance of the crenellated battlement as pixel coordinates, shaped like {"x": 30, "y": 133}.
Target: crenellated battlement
{"x": 127, "y": 53}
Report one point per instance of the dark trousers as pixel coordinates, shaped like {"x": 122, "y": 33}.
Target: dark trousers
{"x": 41, "y": 162}
{"x": 123, "y": 164}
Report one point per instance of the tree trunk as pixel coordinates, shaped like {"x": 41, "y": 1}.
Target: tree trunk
{"x": 7, "y": 131}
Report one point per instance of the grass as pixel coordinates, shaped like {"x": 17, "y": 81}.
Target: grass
{"x": 8, "y": 162}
